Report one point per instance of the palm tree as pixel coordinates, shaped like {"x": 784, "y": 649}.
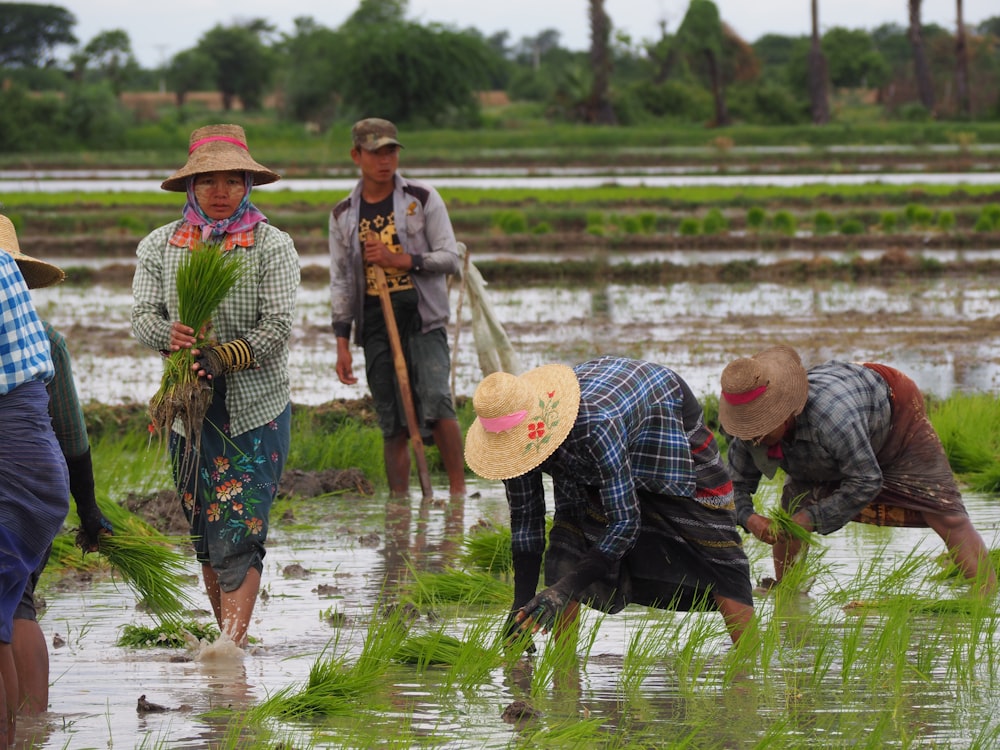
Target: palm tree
{"x": 597, "y": 108}
{"x": 819, "y": 102}
{"x": 962, "y": 66}
{"x": 921, "y": 69}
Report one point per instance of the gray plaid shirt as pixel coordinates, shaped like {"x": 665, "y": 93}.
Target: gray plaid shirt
{"x": 261, "y": 310}
{"x": 842, "y": 427}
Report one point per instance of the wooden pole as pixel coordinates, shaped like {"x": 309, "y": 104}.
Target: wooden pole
{"x": 403, "y": 378}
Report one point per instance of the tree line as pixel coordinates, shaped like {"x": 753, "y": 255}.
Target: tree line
{"x": 430, "y": 74}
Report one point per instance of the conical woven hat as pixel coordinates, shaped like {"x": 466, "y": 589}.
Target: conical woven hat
{"x": 521, "y": 420}
{"x": 36, "y": 273}
{"x": 218, "y": 148}
{"x": 762, "y": 391}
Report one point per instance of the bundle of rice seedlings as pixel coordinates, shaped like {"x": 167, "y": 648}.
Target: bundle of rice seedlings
{"x": 156, "y": 571}
{"x": 782, "y": 523}
{"x": 169, "y": 634}
{"x": 204, "y": 278}
{"x": 425, "y": 649}
{"x": 488, "y": 548}
{"x": 460, "y": 587}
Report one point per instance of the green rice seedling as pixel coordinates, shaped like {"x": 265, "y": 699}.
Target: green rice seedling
{"x": 756, "y": 218}
{"x": 170, "y": 634}
{"x": 156, "y": 571}
{"x": 783, "y": 222}
{"x": 336, "y": 687}
{"x": 715, "y": 222}
{"x": 488, "y": 548}
{"x": 852, "y": 226}
{"x": 946, "y": 220}
{"x": 575, "y": 733}
{"x": 823, "y": 222}
{"x": 317, "y": 446}
{"x": 459, "y": 587}
{"x": 204, "y": 278}
{"x": 782, "y": 524}
{"x": 689, "y": 227}
{"x": 888, "y": 221}
{"x": 983, "y": 223}
{"x": 467, "y": 661}
{"x": 642, "y": 654}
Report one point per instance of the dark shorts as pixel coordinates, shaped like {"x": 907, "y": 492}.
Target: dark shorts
{"x": 428, "y": 360}
{"x": 227, "y": 498}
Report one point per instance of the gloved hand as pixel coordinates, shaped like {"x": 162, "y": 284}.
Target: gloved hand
{"x": 81, "y": 487}
{"x": 542, "y": 610}
{"x": 221, "y": 359}
{"x": 514, "y": 636}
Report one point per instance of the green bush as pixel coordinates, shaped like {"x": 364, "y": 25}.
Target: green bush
{"x": 888, "y": 221}
{"x": 946, "y": 220}
{"x": 647, "y": 220}
{"x": 630, "y": 224}
{"x": 542, "y": 227}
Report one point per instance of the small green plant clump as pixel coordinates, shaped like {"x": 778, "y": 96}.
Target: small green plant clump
{"x": 823, "y": 222}
{"x": 783, "y": 222}
{"x": 852, "y": 226}
{"x": 511, "y": 222}
{"x": 755, "y": 218}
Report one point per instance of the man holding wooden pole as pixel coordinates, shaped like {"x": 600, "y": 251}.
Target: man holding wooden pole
{"x": 392, "y": 247}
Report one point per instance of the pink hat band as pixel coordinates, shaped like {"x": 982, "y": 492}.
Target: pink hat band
{"x": 736, "y": 399}
{"x": 224, "y": 139}
{"x": 504, "y": 423}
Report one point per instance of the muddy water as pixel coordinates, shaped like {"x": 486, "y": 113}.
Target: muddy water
{"x": 941, "y": 331}
{"x": 350, "y": 546}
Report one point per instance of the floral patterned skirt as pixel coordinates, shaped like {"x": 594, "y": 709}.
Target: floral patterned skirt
{"x": 227, "y": 496}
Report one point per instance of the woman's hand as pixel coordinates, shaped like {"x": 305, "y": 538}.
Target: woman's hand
{"x": 181, "y": 336}
{"x": 762, "y": 527}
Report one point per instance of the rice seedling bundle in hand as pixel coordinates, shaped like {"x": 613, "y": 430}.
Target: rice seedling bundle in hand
{"x": 204, "y": 278}
{"x": 783, "y": 525}
{"x": 154, "y": 570}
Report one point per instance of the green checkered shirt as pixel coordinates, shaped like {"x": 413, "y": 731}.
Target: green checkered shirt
{"x": 261, "y": 310}
{"x": 64, "y": 403}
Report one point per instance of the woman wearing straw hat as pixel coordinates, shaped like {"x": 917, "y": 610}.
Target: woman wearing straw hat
{"x": 855, "y": 444}
{"x": 34, "y": 485}
{"x": 246, "y": 433}
{"x": 643, "y": 505}
{"x": 31, "y": 656}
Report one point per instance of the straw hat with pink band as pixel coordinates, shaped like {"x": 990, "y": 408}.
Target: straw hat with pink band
{"x": 36, "y": 273}
{"x": 218, "y": 148}
{"x": 762, "y": 391}
{"x": 521, "y": 420}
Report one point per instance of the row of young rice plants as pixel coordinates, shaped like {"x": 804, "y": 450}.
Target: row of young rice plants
{"x": 852, "y": 660}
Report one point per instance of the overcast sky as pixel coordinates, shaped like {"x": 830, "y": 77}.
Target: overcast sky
{"x": 164, "y": 27}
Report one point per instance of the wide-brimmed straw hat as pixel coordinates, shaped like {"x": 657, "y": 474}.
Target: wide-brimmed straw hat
{"x": 218, "y": 148}
{"x": 762, "y": 391}
{"x": 521, "y": 420}
{"x": 36, "y": 273}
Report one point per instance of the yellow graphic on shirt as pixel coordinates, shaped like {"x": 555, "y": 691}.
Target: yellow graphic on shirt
{"x": 385, "y": 227}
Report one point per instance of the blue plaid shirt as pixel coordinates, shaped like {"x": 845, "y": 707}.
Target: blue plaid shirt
{"x": 628, "y": 434}
{"x": 24, "y": 347}
{"x": 844, "y": 424}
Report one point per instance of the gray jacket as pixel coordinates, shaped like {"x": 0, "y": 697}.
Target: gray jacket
{"x": 425, "y": 232}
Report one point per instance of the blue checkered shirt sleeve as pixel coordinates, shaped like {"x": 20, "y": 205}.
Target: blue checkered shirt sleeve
{"x": 24, "y": 347}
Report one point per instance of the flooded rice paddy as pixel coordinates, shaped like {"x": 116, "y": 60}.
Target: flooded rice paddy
{"x": 830, "y": 677}
{"x": 813, "y": 689}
